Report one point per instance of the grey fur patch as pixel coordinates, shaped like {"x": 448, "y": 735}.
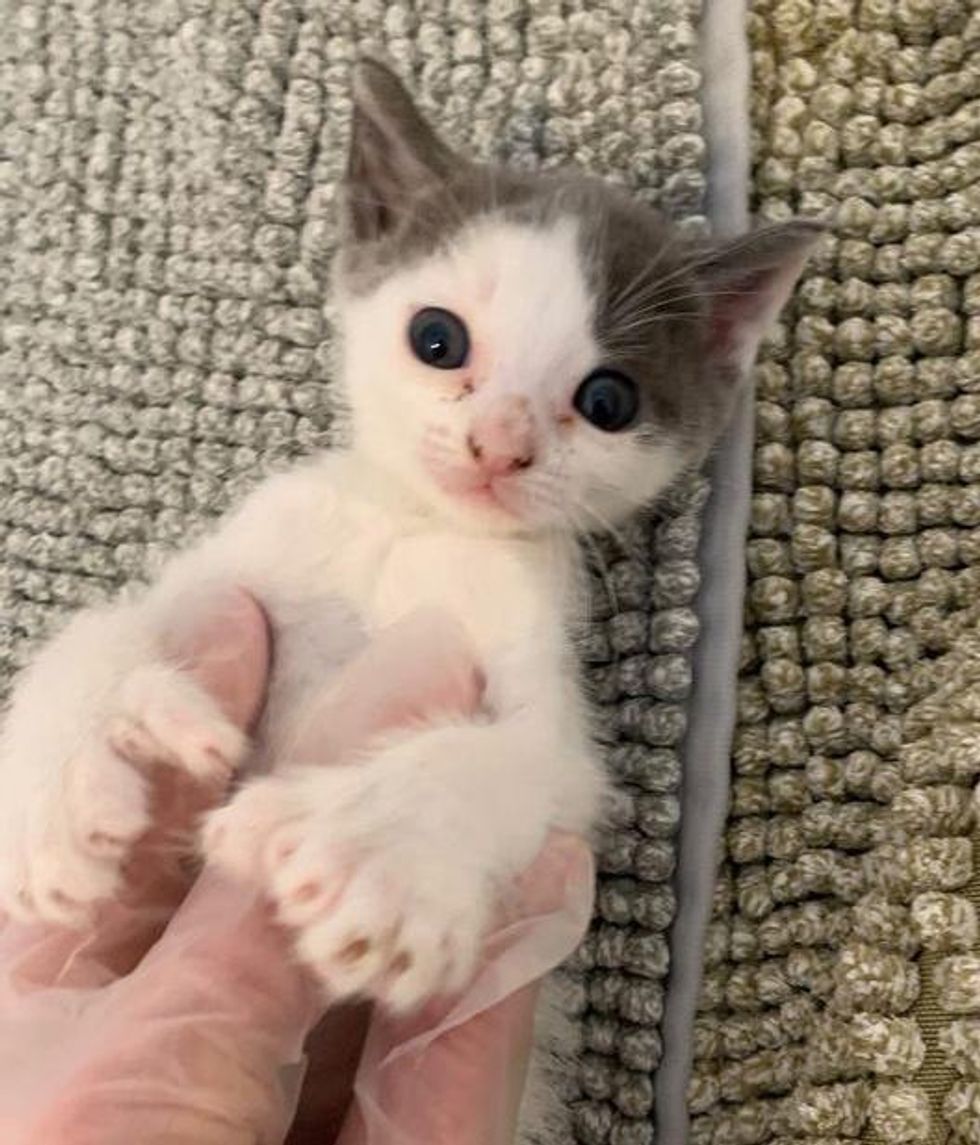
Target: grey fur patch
{"x": 666, "y": 304}
{"x": 394, "y": 155}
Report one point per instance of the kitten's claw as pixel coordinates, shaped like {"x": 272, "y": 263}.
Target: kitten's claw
{"x": 66, "y": 831}
{"x": 381, "y": 908}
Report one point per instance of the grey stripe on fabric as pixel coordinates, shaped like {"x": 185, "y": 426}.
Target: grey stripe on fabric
{"x": 706, "y": 749}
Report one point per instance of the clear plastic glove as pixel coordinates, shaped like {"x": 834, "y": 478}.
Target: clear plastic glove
{"x": 185, "y": 1019}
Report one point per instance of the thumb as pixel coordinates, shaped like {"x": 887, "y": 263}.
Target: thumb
{"x": 186, "y": 1048}
{"x": 223, "y": 638}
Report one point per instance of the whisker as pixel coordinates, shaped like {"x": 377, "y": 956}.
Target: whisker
{"x": 610, "y": 530}
{"x": 539, "y": 484}
{"x": 601, "y": 567}
{"x": 647, "y": 271}
{"x": 574, "y": 508}
{"x": 435, "y": 431}
{"x": 703, "y": 255}
{"x": 649, "y": 281}
{"x": 655, "y": 316}
{"x": 646, "y": 284}
{"x": 656, "y": 303}
{"x": 607, "y": 527}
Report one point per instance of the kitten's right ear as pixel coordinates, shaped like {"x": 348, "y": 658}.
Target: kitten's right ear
{"x": 393, "y": 155}
{"x": 748, "y": 280}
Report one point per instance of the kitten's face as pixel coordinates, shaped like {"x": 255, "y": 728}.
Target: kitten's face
{"x": 476, "y": 375}
{"x": 530, "y": 353}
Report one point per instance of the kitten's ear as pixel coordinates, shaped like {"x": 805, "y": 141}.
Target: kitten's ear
{"x": 747, "y": 282}
{"x": 393, "y": 152}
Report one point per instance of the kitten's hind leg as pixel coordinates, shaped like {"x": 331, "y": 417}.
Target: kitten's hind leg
{"x": 369, "y": 871}
{"x": 389, "y": 867}
{"x": 101, "y": 705}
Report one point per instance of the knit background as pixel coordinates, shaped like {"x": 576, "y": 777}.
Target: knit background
{"x": 168, "y": 175}
{"x": 842, "y": 998}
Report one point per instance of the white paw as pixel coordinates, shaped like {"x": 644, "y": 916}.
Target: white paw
{"x": 164, "y": 717}
{"x": 66, "y": 827}
{"x": 383, "y": 903}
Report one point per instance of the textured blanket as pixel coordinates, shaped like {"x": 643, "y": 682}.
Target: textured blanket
{"x": 842, "y": 998}
{"x": 168, "y": 171}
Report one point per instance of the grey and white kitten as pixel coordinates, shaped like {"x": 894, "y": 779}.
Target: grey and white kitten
{"x": 525, "y": 357}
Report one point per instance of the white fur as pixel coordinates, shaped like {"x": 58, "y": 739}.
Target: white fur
{"x": 428, "y": 824}
{"x": 398, "y": 856}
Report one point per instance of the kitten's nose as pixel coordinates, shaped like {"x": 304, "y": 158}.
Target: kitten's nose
{"x": 501, "y": 438}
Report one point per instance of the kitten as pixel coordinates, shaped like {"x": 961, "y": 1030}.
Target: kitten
{"x": 525, "y": 357}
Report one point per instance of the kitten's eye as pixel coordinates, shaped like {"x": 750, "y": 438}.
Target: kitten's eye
{"x": 439, "y": 338}
{"x": 608, "y": 400}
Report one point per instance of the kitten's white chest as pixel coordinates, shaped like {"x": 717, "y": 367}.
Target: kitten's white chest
{"x": 493, "y": 586}
{"x": 385, "y": 563}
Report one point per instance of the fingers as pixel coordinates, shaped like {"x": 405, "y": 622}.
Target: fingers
{"x": 223, "y": 641}
{"x": 195, "y": 1037}
{"x": 455, "y": 1077}
{"x": 225, "y": 941}
{"x": 464, "y": 1089}
{"x": 451, "y": 1077}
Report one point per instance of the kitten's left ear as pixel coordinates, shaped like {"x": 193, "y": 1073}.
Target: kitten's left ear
{"x": 393, "y": 155}
{"x": 748, "y": 280}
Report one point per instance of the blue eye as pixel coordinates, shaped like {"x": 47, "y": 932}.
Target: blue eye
{"x": 438, "y": 338}
{"x": 608, "y": 400}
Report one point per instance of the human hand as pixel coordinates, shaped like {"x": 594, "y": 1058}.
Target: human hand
{"x": 198, "y": 1036}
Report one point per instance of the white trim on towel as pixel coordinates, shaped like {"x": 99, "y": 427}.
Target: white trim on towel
{"x": 706, "y": 751}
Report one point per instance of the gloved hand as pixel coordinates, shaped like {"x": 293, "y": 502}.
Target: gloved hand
{"x": 184, "y": 1019}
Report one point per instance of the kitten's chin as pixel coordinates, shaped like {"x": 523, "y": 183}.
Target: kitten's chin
{"x": 459, "y": 498}
{"x": 485, "y": 509}
{"x": 475, "y": 503}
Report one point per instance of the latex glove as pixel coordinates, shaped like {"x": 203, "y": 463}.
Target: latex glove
{"x": 193, "y": 1030}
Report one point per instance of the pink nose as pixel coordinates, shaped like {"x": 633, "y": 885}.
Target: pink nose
{"x": 501, "y": 439}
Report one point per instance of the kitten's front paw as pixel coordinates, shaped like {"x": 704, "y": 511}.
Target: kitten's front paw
{"x": 165, "y": 718}
{"x": 383, "y": 903}
{"x": 66, "y": 826}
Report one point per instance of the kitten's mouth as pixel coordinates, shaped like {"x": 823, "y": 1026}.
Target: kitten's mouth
{"x": 485, "y": 494}
{"x": 476, "y": 489}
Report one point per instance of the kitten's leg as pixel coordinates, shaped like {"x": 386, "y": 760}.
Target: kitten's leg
{"x": 100, "y": 704}
{"x": 106, "y": 692}
{"x": 389, "y": 869}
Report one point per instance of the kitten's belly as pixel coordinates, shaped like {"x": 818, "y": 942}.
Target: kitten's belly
{"x": 313, "y": 641}
{"x": 503, "y": 594}
{"x": 487, "y": 589}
